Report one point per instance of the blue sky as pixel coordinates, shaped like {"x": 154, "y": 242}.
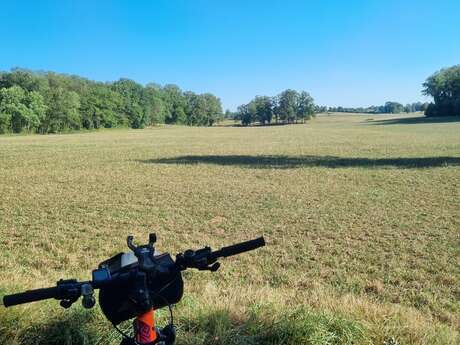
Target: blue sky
{"x": 350, "y": 53}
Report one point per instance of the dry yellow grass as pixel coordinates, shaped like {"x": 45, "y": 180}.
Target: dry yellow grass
{"x": 361, "y": 218}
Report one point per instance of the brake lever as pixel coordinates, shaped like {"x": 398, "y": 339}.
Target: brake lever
{"x": 69, "y": 292}
{"x": 199, "y": 259}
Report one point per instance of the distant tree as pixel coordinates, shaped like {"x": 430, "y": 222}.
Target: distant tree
{"x": 213, "y": 112}
{"x": 37, "y": 110}
{"x": 176, "y": 103}
{"x": 305, "y": 106}
{"x": 244, "y": 114}
{"x": 5, "y": 118}
{"x": 27, "y": 80}
{"x": 262, "y": 109}
{"x": 229, "y": 115}
{"x": 287, "y": 105}
{"x": 196, "y": 109}
{"x": 20, "y": 110}
{"x": 276, "y": 108}
{"x": 202, "y": 110}
{"x": 318, "y": 109}
{"x": 131, "y": 105}
{"x": 12, "y": 109}
{"x": 417, "y": 106}
{"x": 99, "y": 107}
{"x": 62, "y": 111}
{"x": 154, "y": 107}
{"x": 393, "y": 107}
{"x": 444, "y": 87}
{"x": 387, "y": 108}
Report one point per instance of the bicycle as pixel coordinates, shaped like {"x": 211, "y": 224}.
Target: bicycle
{"x": 134, "y": 285}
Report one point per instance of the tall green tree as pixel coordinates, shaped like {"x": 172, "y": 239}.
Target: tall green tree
{"x": 99, "y": 107}
{"x": 444, "y": 87}
{"x": 131, "y": 95}
{"x": 153, "y": 104}
{"x": 287, "y": 105}
{"x": 175, "y": 104}
{"x": 213, "y": 111}
{"x": 305, "y": 106}
{"x": 195, "y": 108}
{"x": 263, "y": 109}
{"x": 20, "y": 110}
{"x": 244, "y": 114}
{"x": 37, "y": 110}
{"x": 62, "y": 111}
{"x": 11, "y": 107}
{"x": 202, "y": 110}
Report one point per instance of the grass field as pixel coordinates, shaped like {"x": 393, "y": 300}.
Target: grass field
{"x": 361, "y": 215}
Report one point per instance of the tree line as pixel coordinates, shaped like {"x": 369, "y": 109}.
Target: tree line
{"x": 48, "y": 102}
{"x": 289, "y": 106}
{"x": 387, "y": 108}
{"x": 444, "y": 87}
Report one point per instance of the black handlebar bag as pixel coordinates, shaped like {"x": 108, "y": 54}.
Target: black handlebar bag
{"x": 125, "y": 300}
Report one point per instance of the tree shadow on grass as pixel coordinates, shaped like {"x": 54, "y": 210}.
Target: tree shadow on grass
{"x": 288, "y": 162}
{"x": 69, "y": 327}
{"x": 415, "y": 120}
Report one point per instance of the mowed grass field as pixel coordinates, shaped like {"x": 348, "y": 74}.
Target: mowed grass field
{"x": 361, "y": 215}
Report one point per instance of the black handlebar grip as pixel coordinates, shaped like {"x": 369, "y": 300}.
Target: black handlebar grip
{"x": 240, "y": 248}
{"x": 30, "y": 296}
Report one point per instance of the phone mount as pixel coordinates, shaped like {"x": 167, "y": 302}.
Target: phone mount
{"x": 144, "y": 253}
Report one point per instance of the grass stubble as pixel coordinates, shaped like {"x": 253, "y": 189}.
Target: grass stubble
{"x": 361, "y": 219}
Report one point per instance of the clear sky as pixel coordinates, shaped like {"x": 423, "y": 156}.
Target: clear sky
{"x": 349, "y": 53}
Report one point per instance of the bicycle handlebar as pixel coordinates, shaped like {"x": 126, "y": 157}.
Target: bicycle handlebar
{"x": 68, "y": 291}
{"x": 238, "y": 248}
{"x": 205, "y": 258}
{"x": 30, "y": 296}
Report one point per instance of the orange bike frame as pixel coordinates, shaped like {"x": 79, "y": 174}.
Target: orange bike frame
{"x": 144, "y": 328}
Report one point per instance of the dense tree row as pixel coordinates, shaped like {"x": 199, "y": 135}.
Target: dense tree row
{"x": 387, "y": 108}
{"x": 47, "y": 102}
{"x": 444, "y": 87}
{"x": 288, "y": 107}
